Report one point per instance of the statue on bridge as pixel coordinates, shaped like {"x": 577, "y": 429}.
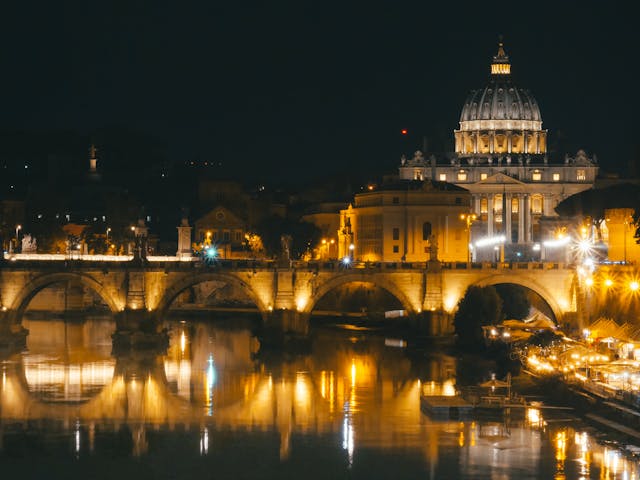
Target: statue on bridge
{"x": 29, "y": 244}
{"x": 285, "y": 253}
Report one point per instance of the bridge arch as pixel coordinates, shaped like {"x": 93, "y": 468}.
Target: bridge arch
{"x": 37, "y": 284}
{"x": 532, "y": 285}
{"x": 377, "y": 280}
{"x": 182, "y": 284}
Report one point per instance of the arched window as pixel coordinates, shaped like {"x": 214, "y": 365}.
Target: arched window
{"x": 426, "y": 230}
{"x": 536, "y": 204}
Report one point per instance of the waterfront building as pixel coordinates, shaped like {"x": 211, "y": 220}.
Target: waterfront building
{"x": 410, "y": 221}
{"x": 501, "y": 157}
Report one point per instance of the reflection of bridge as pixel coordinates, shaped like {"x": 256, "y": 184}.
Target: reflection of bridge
{"x": 284, "y": 295}
{"x": 369, "y": 396}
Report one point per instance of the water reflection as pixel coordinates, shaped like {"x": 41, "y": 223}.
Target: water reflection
{"x": 353, "y": 404}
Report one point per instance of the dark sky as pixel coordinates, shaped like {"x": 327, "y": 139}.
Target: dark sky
{"x": 299, "y": 89}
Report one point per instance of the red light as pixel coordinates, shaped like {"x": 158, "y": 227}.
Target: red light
{"x": 404, "y": 131}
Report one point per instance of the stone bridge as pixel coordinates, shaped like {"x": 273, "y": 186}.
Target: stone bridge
{"x": 284, "y": 295}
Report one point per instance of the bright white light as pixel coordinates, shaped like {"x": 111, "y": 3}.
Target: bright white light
{"x": 536, "y": 247}
{"x": 346, "y": 261}
{"x": 557, "y": 242}
{"x": 484, "y": 242}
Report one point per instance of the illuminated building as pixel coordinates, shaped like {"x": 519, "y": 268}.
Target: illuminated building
{"x": 501, "y": 157}
{"x": 408, "y": 221}
{"x": 618, "y": 232}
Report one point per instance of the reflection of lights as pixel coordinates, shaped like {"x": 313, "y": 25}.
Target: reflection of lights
{"x": 608, "y": 282}
{"x": 211, "y": 380}
{"x": 533, "y": 416}
{"x": 353, "y": 373}
{"x": 77, "y": 437}
{"x": 561, "y": 446}
{"x": 348, "y": 437}
{"x": 204, "y": 442}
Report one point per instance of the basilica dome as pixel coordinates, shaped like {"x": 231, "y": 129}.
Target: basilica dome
{"x": 501, "y": 100}
{"x": 501, "y": 118}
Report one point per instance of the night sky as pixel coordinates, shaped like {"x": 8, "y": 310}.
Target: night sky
{"x": 300, "y": 90}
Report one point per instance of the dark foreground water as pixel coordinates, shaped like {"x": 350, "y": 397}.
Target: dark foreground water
{"x": 216, "y": 407}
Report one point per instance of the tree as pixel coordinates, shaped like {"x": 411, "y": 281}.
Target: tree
{"x": 303, "y": 235}
{"x": 478, "y": 307}
{"x": 515, "y": 302}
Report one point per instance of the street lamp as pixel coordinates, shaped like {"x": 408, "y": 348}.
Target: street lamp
{"x": 18, "y": 228}
{"x": 107, "y": 238}
{"x": 469, "y": 218}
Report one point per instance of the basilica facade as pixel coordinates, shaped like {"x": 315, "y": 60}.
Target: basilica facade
{"x": 501, "y": 158}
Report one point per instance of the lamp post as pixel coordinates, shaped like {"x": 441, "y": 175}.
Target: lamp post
{"x": 18, "y": 228}
{"x": 107, "y": 239}
{"x": 469, "y": 218}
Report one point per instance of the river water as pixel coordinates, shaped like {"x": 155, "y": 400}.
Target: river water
{"x": 217, "y": 406}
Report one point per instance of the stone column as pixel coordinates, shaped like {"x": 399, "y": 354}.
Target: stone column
{"x": 506, "y": 217}
{"x": 525, "y": 143}
{"x": 520, "y": 219}
{"x": 492, "y": 139}
{"x": 475, "y": 142}
{"x": 527, "y": 218}
{"x": 476, "y": 205}
{"x": 490, "y": 215}
{"x": 509, "y": 142}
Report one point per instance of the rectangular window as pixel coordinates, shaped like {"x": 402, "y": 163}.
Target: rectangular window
{"x": 515, "y": 205}
{"x": 536, "y": 176}
{"x": 226, "y": 236}
{"x": 484, "y": 205}
{"x": 581, "y": 175}
{"x": 458, "y": 201}
{"x": 395, "y": 200}
{"x": 396, "y": 234}
{"x": 483, "y": 176}
{"x": 443, "y": 177}
{"x": 556, "y": 177}
{"x": 462, "y": 176}
{"x": 396, "y": 249}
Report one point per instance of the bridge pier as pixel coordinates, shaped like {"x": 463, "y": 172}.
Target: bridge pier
{"x": 138, "y": 329}
{"x": 433, "y": 323}
{"x": 13, "y": 336}
{"x": 285, "y": 328}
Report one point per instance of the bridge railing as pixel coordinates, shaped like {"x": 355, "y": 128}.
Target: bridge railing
{"x": 261, "y": 264}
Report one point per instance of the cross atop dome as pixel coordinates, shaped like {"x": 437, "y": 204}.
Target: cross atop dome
{"x": 500, "y": 64}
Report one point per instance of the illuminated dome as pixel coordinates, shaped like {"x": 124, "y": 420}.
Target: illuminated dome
{"x": 501, "y": 118}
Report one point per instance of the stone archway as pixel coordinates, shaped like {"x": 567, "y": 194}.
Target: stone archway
{"x": 32, "y": 288}
{"x": 377, "y": 280}
{"x": 535, "y": 287}
{"x": 179, "y": 286}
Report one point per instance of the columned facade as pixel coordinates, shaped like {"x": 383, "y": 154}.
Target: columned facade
{"x": 501, "y": 158}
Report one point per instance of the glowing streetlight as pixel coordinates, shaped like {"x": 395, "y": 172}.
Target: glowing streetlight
{"x": 634, "y": 286}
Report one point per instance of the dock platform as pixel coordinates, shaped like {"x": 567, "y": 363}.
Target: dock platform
{"x": 446, "y": 407}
